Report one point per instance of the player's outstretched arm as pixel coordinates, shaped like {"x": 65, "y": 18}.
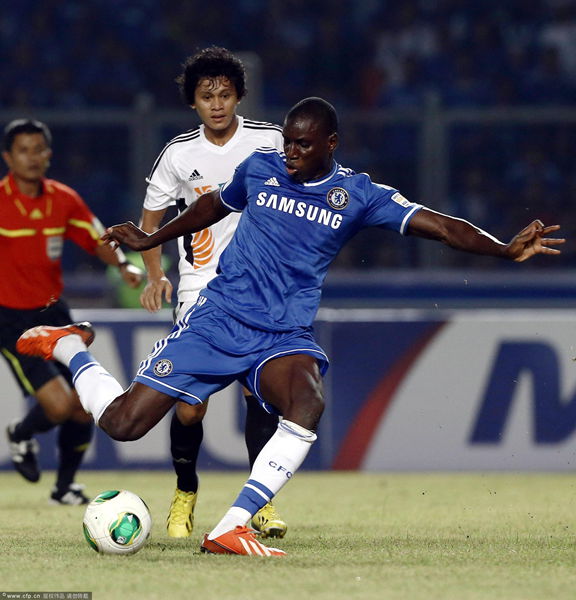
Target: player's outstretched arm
{"x": 206, "y": 211}
{"x": 462, "y": 235}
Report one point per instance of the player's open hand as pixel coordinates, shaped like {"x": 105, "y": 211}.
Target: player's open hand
{"x": 151, "y": 296}
{"x": 127, "y": 234}
{"x": 532, "y": 240}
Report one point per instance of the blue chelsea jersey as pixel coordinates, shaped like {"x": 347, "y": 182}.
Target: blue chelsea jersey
{"x": 271, "y": 273}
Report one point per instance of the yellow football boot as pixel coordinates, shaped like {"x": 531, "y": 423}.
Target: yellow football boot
{"x": 268, "y": 522}
{"x": 181, "y": 516}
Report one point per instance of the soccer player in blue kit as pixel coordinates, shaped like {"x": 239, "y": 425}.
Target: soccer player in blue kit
{"x": 252, "y": 323}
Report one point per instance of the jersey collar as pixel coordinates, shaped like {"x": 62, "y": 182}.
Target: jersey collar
{"x": 12, "y": 188}
{"x": 325, "y": 178}
{"x": 229, "y": 144}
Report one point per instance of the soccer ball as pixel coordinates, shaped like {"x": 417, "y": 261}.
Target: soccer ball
{"x": 117, "y": 522}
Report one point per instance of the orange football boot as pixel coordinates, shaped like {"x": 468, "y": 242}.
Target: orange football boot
{"x": 240, "y": 540}
{"x": 41, "y": 340}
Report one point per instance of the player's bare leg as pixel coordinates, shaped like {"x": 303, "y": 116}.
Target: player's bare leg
{"x": 60, "y": 402}
{"x": 135, "y": 412}
{"x": 293, "y": 385}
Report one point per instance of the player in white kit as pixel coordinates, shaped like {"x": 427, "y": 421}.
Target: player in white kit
{"x": 193, "y": 163}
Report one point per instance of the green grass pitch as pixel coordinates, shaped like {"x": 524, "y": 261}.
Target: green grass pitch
{"x": 351, "y": 535}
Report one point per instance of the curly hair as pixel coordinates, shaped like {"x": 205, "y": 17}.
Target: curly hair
{"x": 211, "y": 63}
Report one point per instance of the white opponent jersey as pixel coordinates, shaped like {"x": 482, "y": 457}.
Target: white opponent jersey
{"x": 189, "y": 166}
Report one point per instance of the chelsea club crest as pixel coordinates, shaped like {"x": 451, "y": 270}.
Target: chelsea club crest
{"x": 338, "y": 198}
{"x": 163, "y": 367}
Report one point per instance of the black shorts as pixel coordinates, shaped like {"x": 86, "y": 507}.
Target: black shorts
{"x": 31, "y": 372}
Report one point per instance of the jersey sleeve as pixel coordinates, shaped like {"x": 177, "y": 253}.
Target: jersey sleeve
{"x": 156, "y": 198}
{"x": 164, "y": 185}
{"x": 83, "y": 227}
{"x": 234, "y": 192}
{"x": 278, "y": 141}
{"x": 387, "y": 208}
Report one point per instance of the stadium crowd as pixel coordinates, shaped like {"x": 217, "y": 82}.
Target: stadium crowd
{"x": 359, "y": 54}
{"x": 374, "y": 54}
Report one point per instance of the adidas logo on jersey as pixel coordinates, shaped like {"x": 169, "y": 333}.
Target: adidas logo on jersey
{"x": 272, "y": 181}
{"x": 195, "y": 175}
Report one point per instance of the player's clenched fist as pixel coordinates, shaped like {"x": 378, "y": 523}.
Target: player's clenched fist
{"x": 127, "y": 234}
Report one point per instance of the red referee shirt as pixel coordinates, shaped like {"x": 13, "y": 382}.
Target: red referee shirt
{"x": 32, "y": 234}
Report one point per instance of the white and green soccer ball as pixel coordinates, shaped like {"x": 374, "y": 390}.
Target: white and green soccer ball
{"x": 117, "y": 522}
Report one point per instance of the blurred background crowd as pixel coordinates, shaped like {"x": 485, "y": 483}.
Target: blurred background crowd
{"x": 465, "y": 106}
{"x": 361, "y": 54}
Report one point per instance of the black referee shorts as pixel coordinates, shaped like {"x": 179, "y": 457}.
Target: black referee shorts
{"x": 31, "y": 372}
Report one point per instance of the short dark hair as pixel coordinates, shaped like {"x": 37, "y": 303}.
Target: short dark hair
{"x": 317, "y": 109}
{"x": 19, "y": 126}
{"x": 210, "y": 63}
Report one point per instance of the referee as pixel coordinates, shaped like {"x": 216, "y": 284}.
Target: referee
{"x": 36, "y": 216}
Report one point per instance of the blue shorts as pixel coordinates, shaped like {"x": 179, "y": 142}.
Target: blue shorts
{"x": 209, "y": 349}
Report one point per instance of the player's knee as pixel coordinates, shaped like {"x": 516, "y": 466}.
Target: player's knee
{"x": 189, "y": 414}
{"x": 57, "y": 412}
{"x": 59, "y": 403}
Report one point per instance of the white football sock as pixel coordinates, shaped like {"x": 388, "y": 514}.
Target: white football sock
{"x": 67, "y": 347}
{"x": 95, "y": 386}
{"x": 96, "y": 389}
{"x": 273, "y": 468}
